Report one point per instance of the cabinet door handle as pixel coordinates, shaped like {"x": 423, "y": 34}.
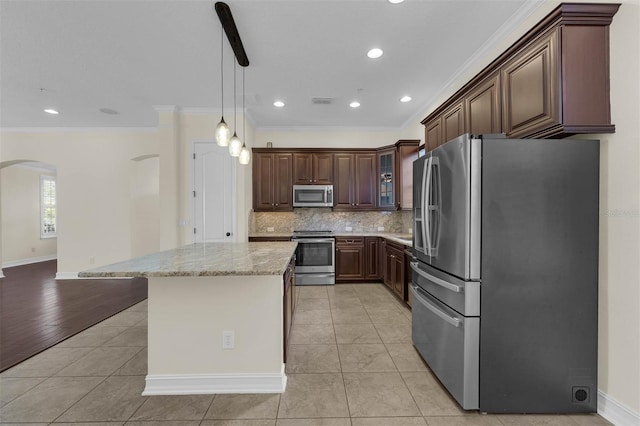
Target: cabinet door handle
{"x": 357, "y": 204}
{"x": 310, "y": 180}
{"x": 276, "y": 204}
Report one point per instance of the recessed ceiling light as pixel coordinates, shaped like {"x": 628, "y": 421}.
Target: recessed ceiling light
{"x": 374, "y": 53}
{"x": 395, "y": 1}
{"x": 405, "y": 98}
{"x": 278, "y": 104}
{"x": 108, "y": 111}
{"x": 354, "y": 104}
{"x": 51, "y": 111}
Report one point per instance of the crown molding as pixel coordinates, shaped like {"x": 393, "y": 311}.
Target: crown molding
{"x": 501, "y": 33}
{"x": 166, "y": 108}
{"x": 328, "y": 129}
{"x": 75, "y": 129}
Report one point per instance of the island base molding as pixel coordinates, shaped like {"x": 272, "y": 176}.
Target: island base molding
{"x": 200, "y": 384}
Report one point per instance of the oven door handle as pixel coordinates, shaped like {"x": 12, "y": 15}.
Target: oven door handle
{"x": 312, "y": 240}
{"x": 417, "y": 294}
{"x": 442, "y": 283}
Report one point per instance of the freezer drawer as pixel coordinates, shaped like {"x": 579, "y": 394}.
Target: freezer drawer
{"x": 449, "y": 343}
{"x": 462, "y": 296}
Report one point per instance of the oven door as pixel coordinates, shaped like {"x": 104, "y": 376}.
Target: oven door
{"x": 315, "y": 255}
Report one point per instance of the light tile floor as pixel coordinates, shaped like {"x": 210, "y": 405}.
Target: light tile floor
{"x": 351, "y": 363}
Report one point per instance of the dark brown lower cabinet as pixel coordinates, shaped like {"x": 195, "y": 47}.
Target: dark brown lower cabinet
{"x": 407, "y": 275}
{"x": 350, "y": 263}
{"x": 288, "y": 303}
{"x": 394, "y": 267}
{"x": 372, "y": 258}
{"x": 360, "y": 259}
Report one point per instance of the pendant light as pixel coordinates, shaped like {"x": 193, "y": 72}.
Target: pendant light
{"x": 235, "y": 144}
{"x": 245, "y": 154}
{"x": 222, "y": 130}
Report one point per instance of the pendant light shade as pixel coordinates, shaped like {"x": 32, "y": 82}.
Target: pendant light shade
{"x": 223, "y": 132}
{"x": 245, "y": 155}
{"x": 235, "y": 145}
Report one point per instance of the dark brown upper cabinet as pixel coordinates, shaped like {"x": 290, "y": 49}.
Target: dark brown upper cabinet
{"x": 387, "y": 180}
{"x": 530, "y": 88}
{"x": 433, "y": 133}
{"x": 272, "y": 182}
{"x": 553, "y": 82}
{"x": 483, "y": 107}
{"x": 313, "y": 168}
{"x": 453, "y": 122}
{"x": 353, "y": 186}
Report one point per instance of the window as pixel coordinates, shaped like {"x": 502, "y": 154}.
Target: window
{"x": 47, "y": 206}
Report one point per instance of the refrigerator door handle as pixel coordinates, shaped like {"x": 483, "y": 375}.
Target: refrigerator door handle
{"x": 418, "y": 294}
{"x": 419, "y": 218}
{"x": 442, "y": 283}
{"x": 426, "y": 188}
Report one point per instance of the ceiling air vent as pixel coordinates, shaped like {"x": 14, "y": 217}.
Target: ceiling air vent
{"x": 321, "y": 101}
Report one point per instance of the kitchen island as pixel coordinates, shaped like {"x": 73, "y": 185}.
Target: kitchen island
{"x": 198, "y": 294}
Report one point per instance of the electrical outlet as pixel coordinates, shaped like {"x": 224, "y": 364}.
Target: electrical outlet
{"x": 348, "y": 229}
{"x": 33, "y": 249}
{"x": 228, "y": 339}
{"x": 270, "y": 229}
{"x": 380, "y": 228}
{"x": 92, "y": 260}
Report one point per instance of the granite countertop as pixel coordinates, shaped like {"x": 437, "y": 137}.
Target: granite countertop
{"x": 204, "y": 259}
{"x": 405, "y": 239}
{"x": 399, "y": 238}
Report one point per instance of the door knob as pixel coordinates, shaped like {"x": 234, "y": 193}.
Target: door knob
{"x": 228, "y": 234}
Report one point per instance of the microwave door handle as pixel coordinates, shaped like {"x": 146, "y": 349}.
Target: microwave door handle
{"x": 426, "y": 224}
{"x": 454, "y": 321}
{"x": 435, "y": 280}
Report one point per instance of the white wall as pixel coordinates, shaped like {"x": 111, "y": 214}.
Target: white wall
{"x": 93, "y": 188}
{"x": 194, "y": 127}
{"x": 334, "y": 138}
{"x": 145, "y": 206}
{"x": 20, "y": 206}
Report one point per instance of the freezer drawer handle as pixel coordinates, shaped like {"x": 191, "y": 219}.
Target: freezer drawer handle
{"x": 456, "y": 322}
{"x": 436, "y": 280}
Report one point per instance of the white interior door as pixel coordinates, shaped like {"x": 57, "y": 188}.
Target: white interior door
{"x": 214, "y": 193}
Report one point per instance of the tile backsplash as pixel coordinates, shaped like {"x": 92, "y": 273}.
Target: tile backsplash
{"x": 326, "y": 219}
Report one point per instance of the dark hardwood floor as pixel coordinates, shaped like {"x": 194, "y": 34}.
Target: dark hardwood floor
{"x": 36, "y": 311}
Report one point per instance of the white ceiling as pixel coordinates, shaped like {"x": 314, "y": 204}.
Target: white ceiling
{"x": 132, "y": 55}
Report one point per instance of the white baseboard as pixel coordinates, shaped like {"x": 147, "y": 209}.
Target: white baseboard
{"x": 29, "y": 261}
{"x": 66, "y": 275}
{"x": 193, "y": 384}
{"x": 616, "y": 412}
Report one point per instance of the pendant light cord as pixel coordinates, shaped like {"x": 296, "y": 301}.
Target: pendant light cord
{"x": 222, "y": 67}
{"x": 244, "y": 111}
{"x": 235, "y": 112}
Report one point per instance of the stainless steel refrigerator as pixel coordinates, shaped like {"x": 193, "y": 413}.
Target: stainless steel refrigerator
{"x": 505, "y": 272}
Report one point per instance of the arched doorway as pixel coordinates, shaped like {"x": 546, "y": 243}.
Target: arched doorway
{"x": 27, "y": 212}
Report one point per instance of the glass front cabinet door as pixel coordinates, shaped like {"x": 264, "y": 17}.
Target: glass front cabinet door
{"x": 387, "y": 179}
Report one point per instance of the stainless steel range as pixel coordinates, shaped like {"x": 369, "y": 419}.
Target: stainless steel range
{"x": 315, "y": 257}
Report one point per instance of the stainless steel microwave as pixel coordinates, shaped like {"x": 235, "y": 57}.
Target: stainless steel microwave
{"x": 312, "y": 195}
